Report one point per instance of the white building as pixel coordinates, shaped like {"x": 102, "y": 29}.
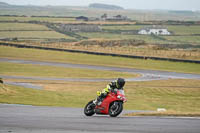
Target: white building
{"x": 154, "y": 30}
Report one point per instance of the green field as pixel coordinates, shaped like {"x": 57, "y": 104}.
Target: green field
{"x": 176, "y": 29}
{"x": 22, "y": 26}
{"x": 184, "y": 30}
{"x": 186, "y": 34}
{"x": 13, "y": 69}
{"x": 195, "y": 40}
{"x": 41, "y": 19}
{"x": 77, "y": 58}
{"x": 181, "y": 34}
{"x": 29, "y": 31}
{"x": 33, "y": 34}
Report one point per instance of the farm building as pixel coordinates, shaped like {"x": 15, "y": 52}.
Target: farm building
{"x": 82, "y": 18}
{"x": 104, "y": 17}
{"x": 154, "y": 30}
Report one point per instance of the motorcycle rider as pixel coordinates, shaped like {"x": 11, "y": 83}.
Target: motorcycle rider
{"x": 111, "y": 87}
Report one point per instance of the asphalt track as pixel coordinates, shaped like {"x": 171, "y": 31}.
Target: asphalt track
{"x": 34, "y": 119}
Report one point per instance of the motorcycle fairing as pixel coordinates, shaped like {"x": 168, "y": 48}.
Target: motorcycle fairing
{"x": 104, "y": 107}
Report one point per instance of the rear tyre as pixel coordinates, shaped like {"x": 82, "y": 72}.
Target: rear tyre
{"x": 89, "y": 109}
{"x": 115, "y": 109}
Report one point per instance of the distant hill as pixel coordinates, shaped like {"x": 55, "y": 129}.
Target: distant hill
{"x": 182, "y": 12}
{"x": 105, "y": 6}
{"x": 4, "y": 4}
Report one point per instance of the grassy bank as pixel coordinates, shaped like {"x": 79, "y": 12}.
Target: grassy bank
{"x": 19, "y": 95}
{"x": 178, "y": 96}
{"x": 173, "y": 95}
{"x": 77, "y": 58}
{"x": 14, "y": 69}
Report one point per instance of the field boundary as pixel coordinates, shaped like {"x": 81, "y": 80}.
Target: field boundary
{"x": 99, "y": 53}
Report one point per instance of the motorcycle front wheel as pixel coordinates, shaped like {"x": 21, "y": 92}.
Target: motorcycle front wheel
{"x": 89, "y": 109}
{"x": 115, "y": 109}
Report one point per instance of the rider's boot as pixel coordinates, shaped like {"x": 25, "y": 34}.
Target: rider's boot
{"x": 95, "y": 101}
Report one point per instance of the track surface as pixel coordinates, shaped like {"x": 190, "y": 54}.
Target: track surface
{"x": 33, "y": 119}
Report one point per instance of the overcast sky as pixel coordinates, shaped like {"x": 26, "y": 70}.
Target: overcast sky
{"x": 128, "y": 4}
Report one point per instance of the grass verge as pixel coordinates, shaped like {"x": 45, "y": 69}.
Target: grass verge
{"x": 15, "y": 69}
{"x": 168, "y": 113}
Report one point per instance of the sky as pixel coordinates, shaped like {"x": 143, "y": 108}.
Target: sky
{"x": 127, "y": 4}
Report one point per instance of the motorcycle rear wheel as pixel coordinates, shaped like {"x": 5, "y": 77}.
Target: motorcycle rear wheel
{"x": 115, "y": 109}
{"x": 89, "y": 109}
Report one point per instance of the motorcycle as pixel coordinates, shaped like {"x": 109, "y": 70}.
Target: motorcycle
{"x": 111, "y": 105}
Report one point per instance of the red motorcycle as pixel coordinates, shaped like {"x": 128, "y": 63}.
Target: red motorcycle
{"x": 112, "y": 105}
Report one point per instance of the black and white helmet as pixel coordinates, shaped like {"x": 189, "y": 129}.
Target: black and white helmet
{"x": 120, "y": 83}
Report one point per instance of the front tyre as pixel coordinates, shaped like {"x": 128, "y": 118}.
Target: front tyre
{"x": 89, "y": 109}
{"x": 115, "y": 109}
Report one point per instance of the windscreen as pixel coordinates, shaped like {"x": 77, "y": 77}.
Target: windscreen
{"x": 121, "y": 92}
